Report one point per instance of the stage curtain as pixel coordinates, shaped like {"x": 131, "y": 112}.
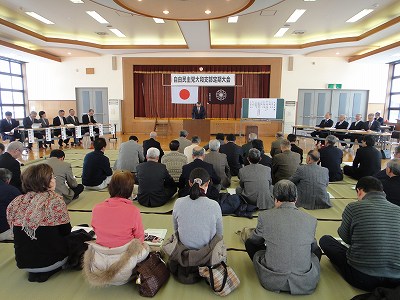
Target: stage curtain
{"x": 152, "y": 90}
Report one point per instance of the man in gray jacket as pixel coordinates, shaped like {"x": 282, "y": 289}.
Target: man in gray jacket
{"x": 283, "y": 248}
{"x": 130, "y": 155}
{"x": 183, "y": 141}
{"x": 284, "y": 164}
{"x": 311, "y": 181}
{"x": 219, "y": 162}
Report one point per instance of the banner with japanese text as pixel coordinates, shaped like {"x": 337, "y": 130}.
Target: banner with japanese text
{"x": 198, "y": 79}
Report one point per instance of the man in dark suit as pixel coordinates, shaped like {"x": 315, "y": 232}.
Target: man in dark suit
{"x": 381, "y": 175}
{"x": 367, "y": 161}
{"x": 331, "y": 157}
{"x": 391, "y": 184}
{"x": 265, "y": 160}
{"x": 156, "y": 186}
{"x": 378, "y": 118}
{"x": 325, "y": 123}
{"x": 60, "y": 120}
{"x": 358, "y": 124}
{"x": 341, "y": 124}
{"x": 233, "y": 153}
{"x": 372, "y": 124}
{"x": 246, "y": 147}
{"x": 88, "y": 119}
{"x": 28, "y": 122}
{"x": 72, "y": 119}
{"x": 198, "y": 156}
{"x": 293, "y": 147}
{"x": 8, "y": 160}
{"x": 7, "y": 128}
{"x": 198, "y": 111}
{"x": 152, "y": 143}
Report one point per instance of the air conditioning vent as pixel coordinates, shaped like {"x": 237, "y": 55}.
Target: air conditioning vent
{"x": 298, "y": 32}
{"x": 101, "y": 33}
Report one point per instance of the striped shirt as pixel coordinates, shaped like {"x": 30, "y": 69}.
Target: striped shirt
{"x": 372, "y": 229}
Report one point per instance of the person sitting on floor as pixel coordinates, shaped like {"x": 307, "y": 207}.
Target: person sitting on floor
{"x": 96, "y": 173}
{"x": 246, "y": 147}
{"x": 119, "y": 230}
{"x": 219, "y": 162}
{"x": 174, "y": 160}
{"x": 284, "y": 164}
{"x": 130, "y": 155}
{"x": 265, "y": 160}
{"x": 311, "y": 181}
{"x": 198, "y": 231}
{"x": 382, "y": 174}
{"x": 371, "y": 229}
{"x": 220, "y": 137}
{"x": 283, "y": 248}
{"x": 391, "y": 184}
{"x": 188, "y": 151}
{"x": 9, "y": 161}
{"x": 41, "y": 225}
{"x": 331, "y": 158}
{"x": 152, "y": 143}
{"x": 293, "y": 147}
{"x": 367, "y": 161}
{"x": 183, "y": 141}
{"x": 233, "y": 153}
{"x": 66, "y": 184}
{"x": 2, "y": 148}
{"x": 156, "y": 186}
{"x": 255, "y": 183}
{"x": 276, "y": 145}
{"x": 7, "y": 194}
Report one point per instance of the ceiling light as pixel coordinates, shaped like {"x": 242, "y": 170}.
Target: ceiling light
{"x": 165, "y": 12}
{"x": 97, "y": 17}
{"x": 360, "y": 15}
{"x": 208, "y": 12}
{"x": 69, "y": 53}
{"x": 233, "y": 19}
{"x": 117, "y": 32}
{"x": 159, "y": 21}
{"x": 310, "y": 0}
{"x": 281, "y": 32}
{"x": 39, "y": 17}
{"x": 77, "y": 1}
{"x": 337, "y": 53}
{"x": 296, "y": 15}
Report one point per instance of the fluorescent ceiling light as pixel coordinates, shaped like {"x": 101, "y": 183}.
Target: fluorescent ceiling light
{"x": 77, "y": 1}
{"x": 39, "y": 17}
{"x": 310, "y": 0}
{"x": 117, "y": 32}
{"x": 159, "y": 21}
{"x": 233, "y": 19}
{"x": 360, "y": 15}
{"x": 281, "y": 32}
{"x": 97, "y": 17}
{"x": 296, "y": 15}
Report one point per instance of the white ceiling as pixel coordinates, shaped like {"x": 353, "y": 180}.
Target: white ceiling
{"x": 374, "y": 38}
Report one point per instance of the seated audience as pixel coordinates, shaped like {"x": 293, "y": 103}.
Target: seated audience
{"x": 2, "y": 148}
{"x": 8, "y": 160}
{"x": 358, "y": 124}
{"x": 28, "y": 122}
{"x": 7, "y": 194}
{"x": 246, "y": 147}
{"x": 8, "y": 128}
{"x": 341, "y": 124}
{"x": 293, "y": 147}
{"x": 391, "y": 184}
{"x": 325, "y": 123}
{"x": 152, "y": 143}
{"x": 265, "y": 160}
{"x": 233, "y": 153}
{"x": 130, "y": 155}
{"x": 220, "y": 137}
{"x": 276, "y": 145}
{"x": 372, "y": 124}
{"x": 96, "y": 173}
{"x": 174, "y": 160}
{"x": 41, "y": 225}
{"x": 311, "y": 181}
{"x": 283, "y": 248}
{"x": 367, "y": 161}
{"x": 284, "y": 164}
{"x": 331, "y": 158}
{"x": 183, "y": 141}
{"x": 198, "y": 231}
{"x": 198, "y": 162}
{"x": 156, "y": 186}
{"x": 378, "y": 118}
{"x": 45, "y": 124}
{"x": 255, "y": 183}
{"x": 219, "y": 162}
{"x": 382, "y": 174}
{"x": 188, "y": 151}
{"x": 371, "y": 229}
{"x": 66, "y": 184}
{"x": 119, "y": 230}
{"x": 60, "y": 120}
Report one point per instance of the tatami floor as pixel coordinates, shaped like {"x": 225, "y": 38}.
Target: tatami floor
{"x": 72, "y": 285}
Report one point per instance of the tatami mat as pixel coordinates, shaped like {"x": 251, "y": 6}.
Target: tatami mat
{"x": 342, "y": 191}
{"x": 333, "y": 213}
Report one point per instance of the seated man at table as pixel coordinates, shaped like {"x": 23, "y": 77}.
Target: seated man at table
{"x": 367, "y": 161}
{"x": 156, "y": 186}
{"x": 311, "y": 181}
{"x": 331, "y": 158}
{"x": 391, "y": 184}
{"x": 72, "y": 119}
{"x": 283, "y": 248}
{"x": 284, "y": 164}
{"x": 341, "y": 124}
{"x": 60, "y": 120}
{"x": 28, "y": 124}
{"x": 371, "y": 124}
{"x": 358, "y": 124}
{"x": 325, "y": 123}
{"x": 378, "y": 118}
{"x": 371, "y": 229}
{"x": 8, "y": 128}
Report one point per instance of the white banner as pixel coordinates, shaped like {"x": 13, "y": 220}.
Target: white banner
{"x": 63, "y": 133}
{"x": 198, "y": 79}
{"x": 101, "y": 131}
{"x": 184, "y": 94}
{"x": 91, "y": 131}
{"x": 78, "y": 132}
{"x": 31, "y": 137}
{"x": 48, "y": 134}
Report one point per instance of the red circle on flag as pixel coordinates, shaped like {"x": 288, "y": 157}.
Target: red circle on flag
{"x": 184, "y": 94}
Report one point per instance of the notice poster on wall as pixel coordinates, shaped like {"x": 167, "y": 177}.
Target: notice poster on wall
{"x": 262, "y": 108}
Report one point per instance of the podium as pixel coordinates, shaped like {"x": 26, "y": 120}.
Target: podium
{"x": 199, "y": 127}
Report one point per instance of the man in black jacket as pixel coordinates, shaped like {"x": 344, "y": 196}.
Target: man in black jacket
{"x": 234, "y": 154}
{"x": 198, "y": 111}
{"x": 72, "y": 119}
{"x": 372, "y": 124}
{"x": 341, "y": 124}
{"x": 391, "y": 184}
{"x": 60, "y": 120}
{"x": 358, "y": 124}
{"x": 8, "y": 160}
{"x": 28, "y": 122}
{"x": 88, "y": 119}
{"x": 331, "y": 157}
{"x": 152, "y": 143}
{"x": 8, "y": 126}
{"x": 325, "y": 123}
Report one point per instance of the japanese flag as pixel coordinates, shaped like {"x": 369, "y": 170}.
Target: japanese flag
{"x": 184, "y": 94}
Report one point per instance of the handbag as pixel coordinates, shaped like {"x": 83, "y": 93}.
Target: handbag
{"x": 151, "y": 275}
{"x": 221, "y": 278}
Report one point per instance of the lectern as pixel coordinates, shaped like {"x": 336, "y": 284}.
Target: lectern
{"x": 197, "y": 127}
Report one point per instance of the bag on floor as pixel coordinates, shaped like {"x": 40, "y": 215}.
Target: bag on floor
{"x": 221, "y": 278}
{"x": 151, "y": 275}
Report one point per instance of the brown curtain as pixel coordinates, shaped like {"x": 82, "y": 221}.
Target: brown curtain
{"x": 152, "y": 90}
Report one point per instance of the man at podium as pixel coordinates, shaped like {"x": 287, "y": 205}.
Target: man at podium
{"x": 198, "y": 111}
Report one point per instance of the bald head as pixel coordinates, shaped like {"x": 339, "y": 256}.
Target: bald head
{"x": 198, "y": 152}
{"x": 313, "y": 157}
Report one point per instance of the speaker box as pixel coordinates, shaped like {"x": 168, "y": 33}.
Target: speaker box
{"x": 114, "y": 63}
{"x": 290, "y": 63}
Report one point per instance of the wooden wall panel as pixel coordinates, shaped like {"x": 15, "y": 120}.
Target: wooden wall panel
{"x": 51, "y": 107}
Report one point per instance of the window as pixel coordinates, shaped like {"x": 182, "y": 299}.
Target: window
{"x": 394, "y": 97}
{"x": 12, "y": 96}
